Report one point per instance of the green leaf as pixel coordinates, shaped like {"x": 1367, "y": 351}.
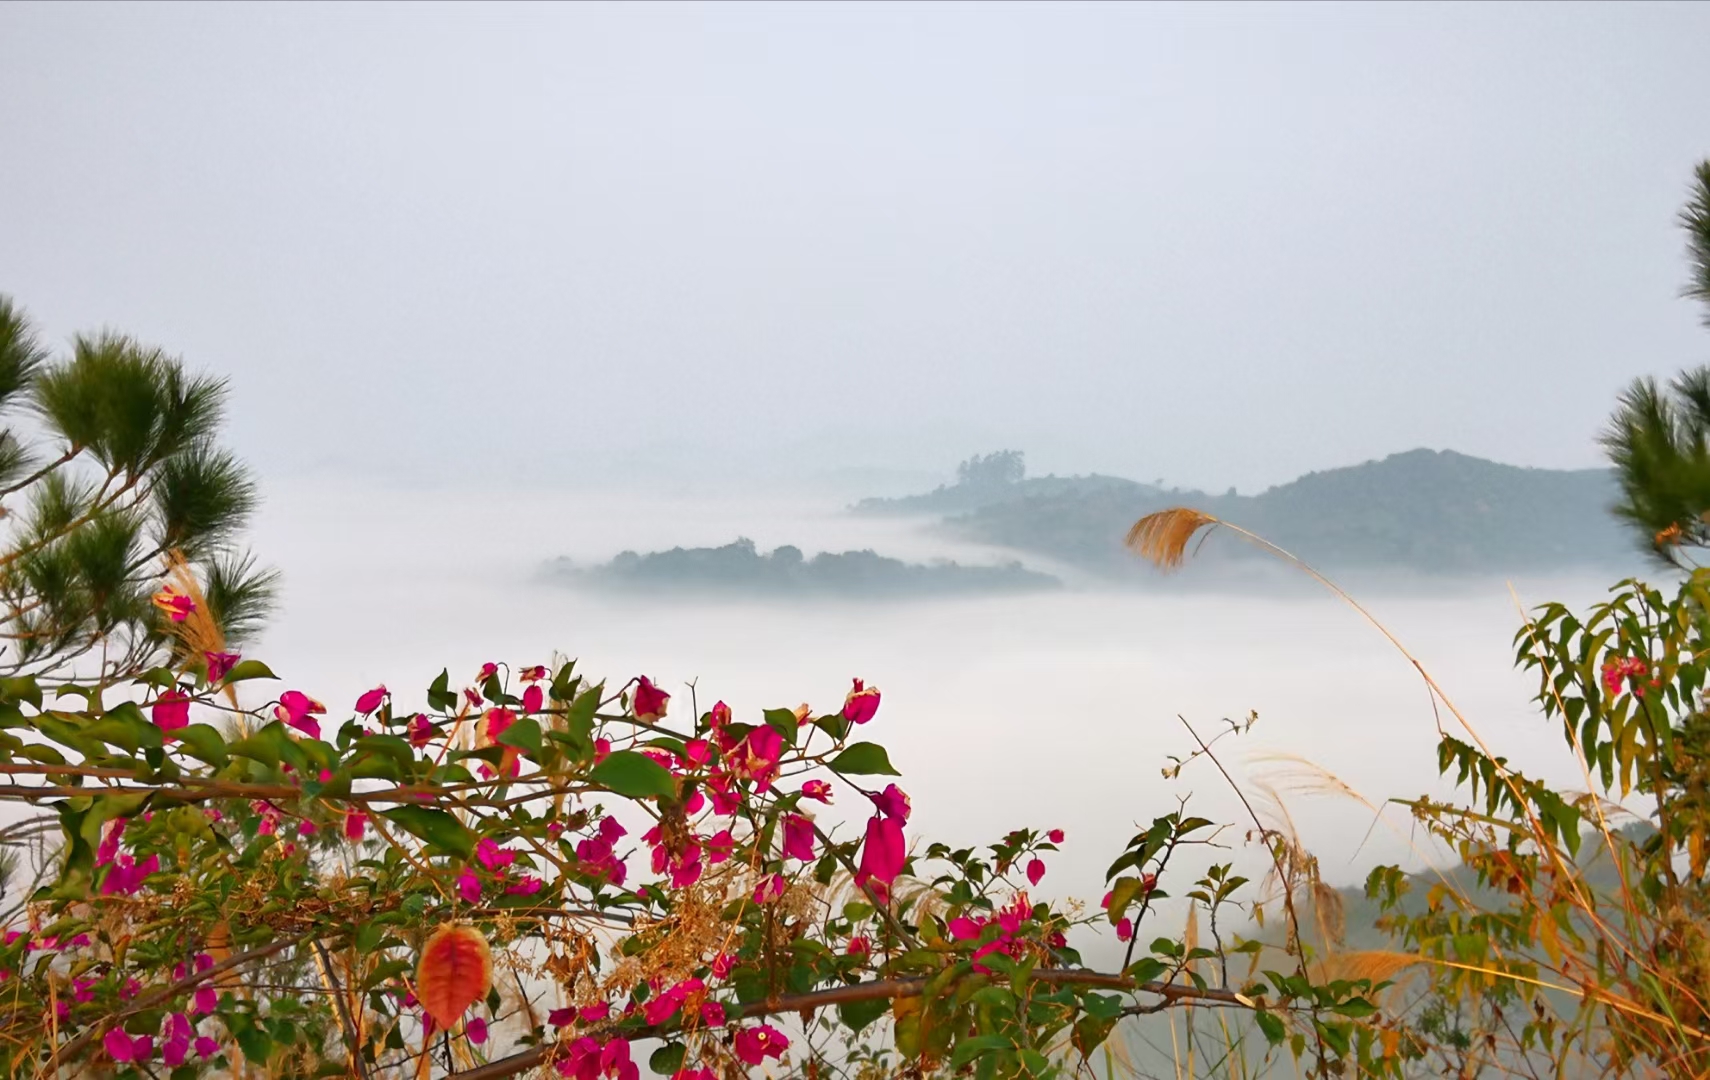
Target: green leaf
{"x": 633, "y": 775}
{"x": 439, "y": 698}
{"x": 667, "y": 1059}
{"x": 784, "y": 722}
{"x": 270, "y": 745}
{"x": 248, "y": 669}
{"x": 975, "y": 1045}
{"x": 856, "y": 1015}
{"x": 1271, "y": 1025}
{"x": 204, "y": 743}
{"x": 1121, "y": 895}
{"x": 124, "y": 726}
{"x": 864, "y": 759}
{"x": 21, "y": 689}
{"x": 387, "y": 746}
{"x": 436, "y": 827}
{"x": 524, "y": 735}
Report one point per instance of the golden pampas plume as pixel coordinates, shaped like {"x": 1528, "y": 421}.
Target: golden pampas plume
{"x": 1162, "y": 538}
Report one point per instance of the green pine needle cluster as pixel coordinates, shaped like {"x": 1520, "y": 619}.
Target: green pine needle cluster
{"x": 1659, "y": 440}
{"x": 109, "y": 467}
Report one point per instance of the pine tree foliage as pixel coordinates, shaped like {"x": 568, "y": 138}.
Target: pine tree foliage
{"x": 110, "y": 471}
{"x": 1659, "y": 439}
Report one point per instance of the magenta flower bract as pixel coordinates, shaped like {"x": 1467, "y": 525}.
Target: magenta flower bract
{"x": 1035, "y": 871}
{"x": 298, "y": 710}
{"x": 370, "y": 701}
{"x": 171, "y": 711}
{"x": 754, "y": 1045}
{"x": 770, "y": 889}
{"x": 861, "y": 704}
{"x": 883, "y": 854}
{"x": 798, "y": 838}
{"x": 220, "y": 664}
{"x": 533, "y": 698}
{"x": 650, "y": 701}
{"x": 818, "y": 790}
{"x": 893, "y": 802}
{"x": 468, "y": 886}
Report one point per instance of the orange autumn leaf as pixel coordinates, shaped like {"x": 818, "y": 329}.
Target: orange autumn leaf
{"x": 456, "y": 971}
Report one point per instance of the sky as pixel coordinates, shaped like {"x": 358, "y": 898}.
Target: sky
{"x": 729, "y": 247}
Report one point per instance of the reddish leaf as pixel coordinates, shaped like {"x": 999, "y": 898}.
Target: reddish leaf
{"x": 456, "y": 970}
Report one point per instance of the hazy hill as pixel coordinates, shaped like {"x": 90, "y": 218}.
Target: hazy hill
{"x": 740, "y": 568}
{"x": 1423, "y": 510}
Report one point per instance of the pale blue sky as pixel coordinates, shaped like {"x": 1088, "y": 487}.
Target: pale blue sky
{"x": 1220, "y": 245}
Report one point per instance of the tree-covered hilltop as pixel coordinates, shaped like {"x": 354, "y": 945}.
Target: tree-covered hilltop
{"x": 785, "y": 571}
{"x": 1423, "y": 510}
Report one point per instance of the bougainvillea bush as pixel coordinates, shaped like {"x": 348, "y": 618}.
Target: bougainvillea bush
{"x": 538, "y": 872}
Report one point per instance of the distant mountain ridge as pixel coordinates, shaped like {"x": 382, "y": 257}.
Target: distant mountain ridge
{"x": 741, "y": 568}
{"x": 1434, "y": 511}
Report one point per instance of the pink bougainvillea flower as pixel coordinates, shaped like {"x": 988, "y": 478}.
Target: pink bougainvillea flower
{"x": 593, "y": 1014}
{"x": 109, "y": 847}
{"x": 756, "y": 1044}
{"x": 533, "y": 673}
{"x": 123, "y": 1049}
{"x": 861, "y": 704}
{"x": 476, "y": 1029}
{"x": 533, "y": 699}
{"x": 1035, "y": 871}
{"x": 798, "y": 837}
{"x": 722, "y": 965}
{"x": 355, "y": 824}
{"x": 615, "y": 1063}
{"x": 883, "y": 854}
{"x": 299, "y": 710}
{"x": 1630, "y": 671}
{"x": 860, "y": 945}
{"x": 205, "y": 1000}
{"x": 712, "y": 1014}
{"x": 468, "y": 886}
{"x": 370, "y": 701}
{"x": 171, "y": 711}
{"x": 719, "y": 846}
{"x": 125, "y": 876}
{"x": 1055, "y": 836}
{"x": 719, "y": 716}
{"x": 488, "y": 671}
{"x": 306, "y": 828}
{"x": 173, "y": 1052}
{"x": 206, "y": 1047}
{"x": 818, "y": 790}
{"x": 650, "y": 701}
{"x": 602, "y": 749}
{"x": 698, "y": 751}
{"x": 757, "y": 758}
{"x": 725, "y": 800}
{"x": 420, "y": 729}
{"x": 561, "y": 1017}
{"x": 472, "y": 696}
{"x": 177, "y": 606}
{"x": 770, "y": 889}
{"x": 220, "y": 664}
{"x": 496, "y": 723}
{"x": 492, "y": 856}
{"x": 527, "y": 885}
{"x": 893, "y": 802}
{"x": 1125, "y": 929}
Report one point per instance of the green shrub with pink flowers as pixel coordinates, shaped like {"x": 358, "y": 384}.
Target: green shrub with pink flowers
{"x": 537, "y": 870}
